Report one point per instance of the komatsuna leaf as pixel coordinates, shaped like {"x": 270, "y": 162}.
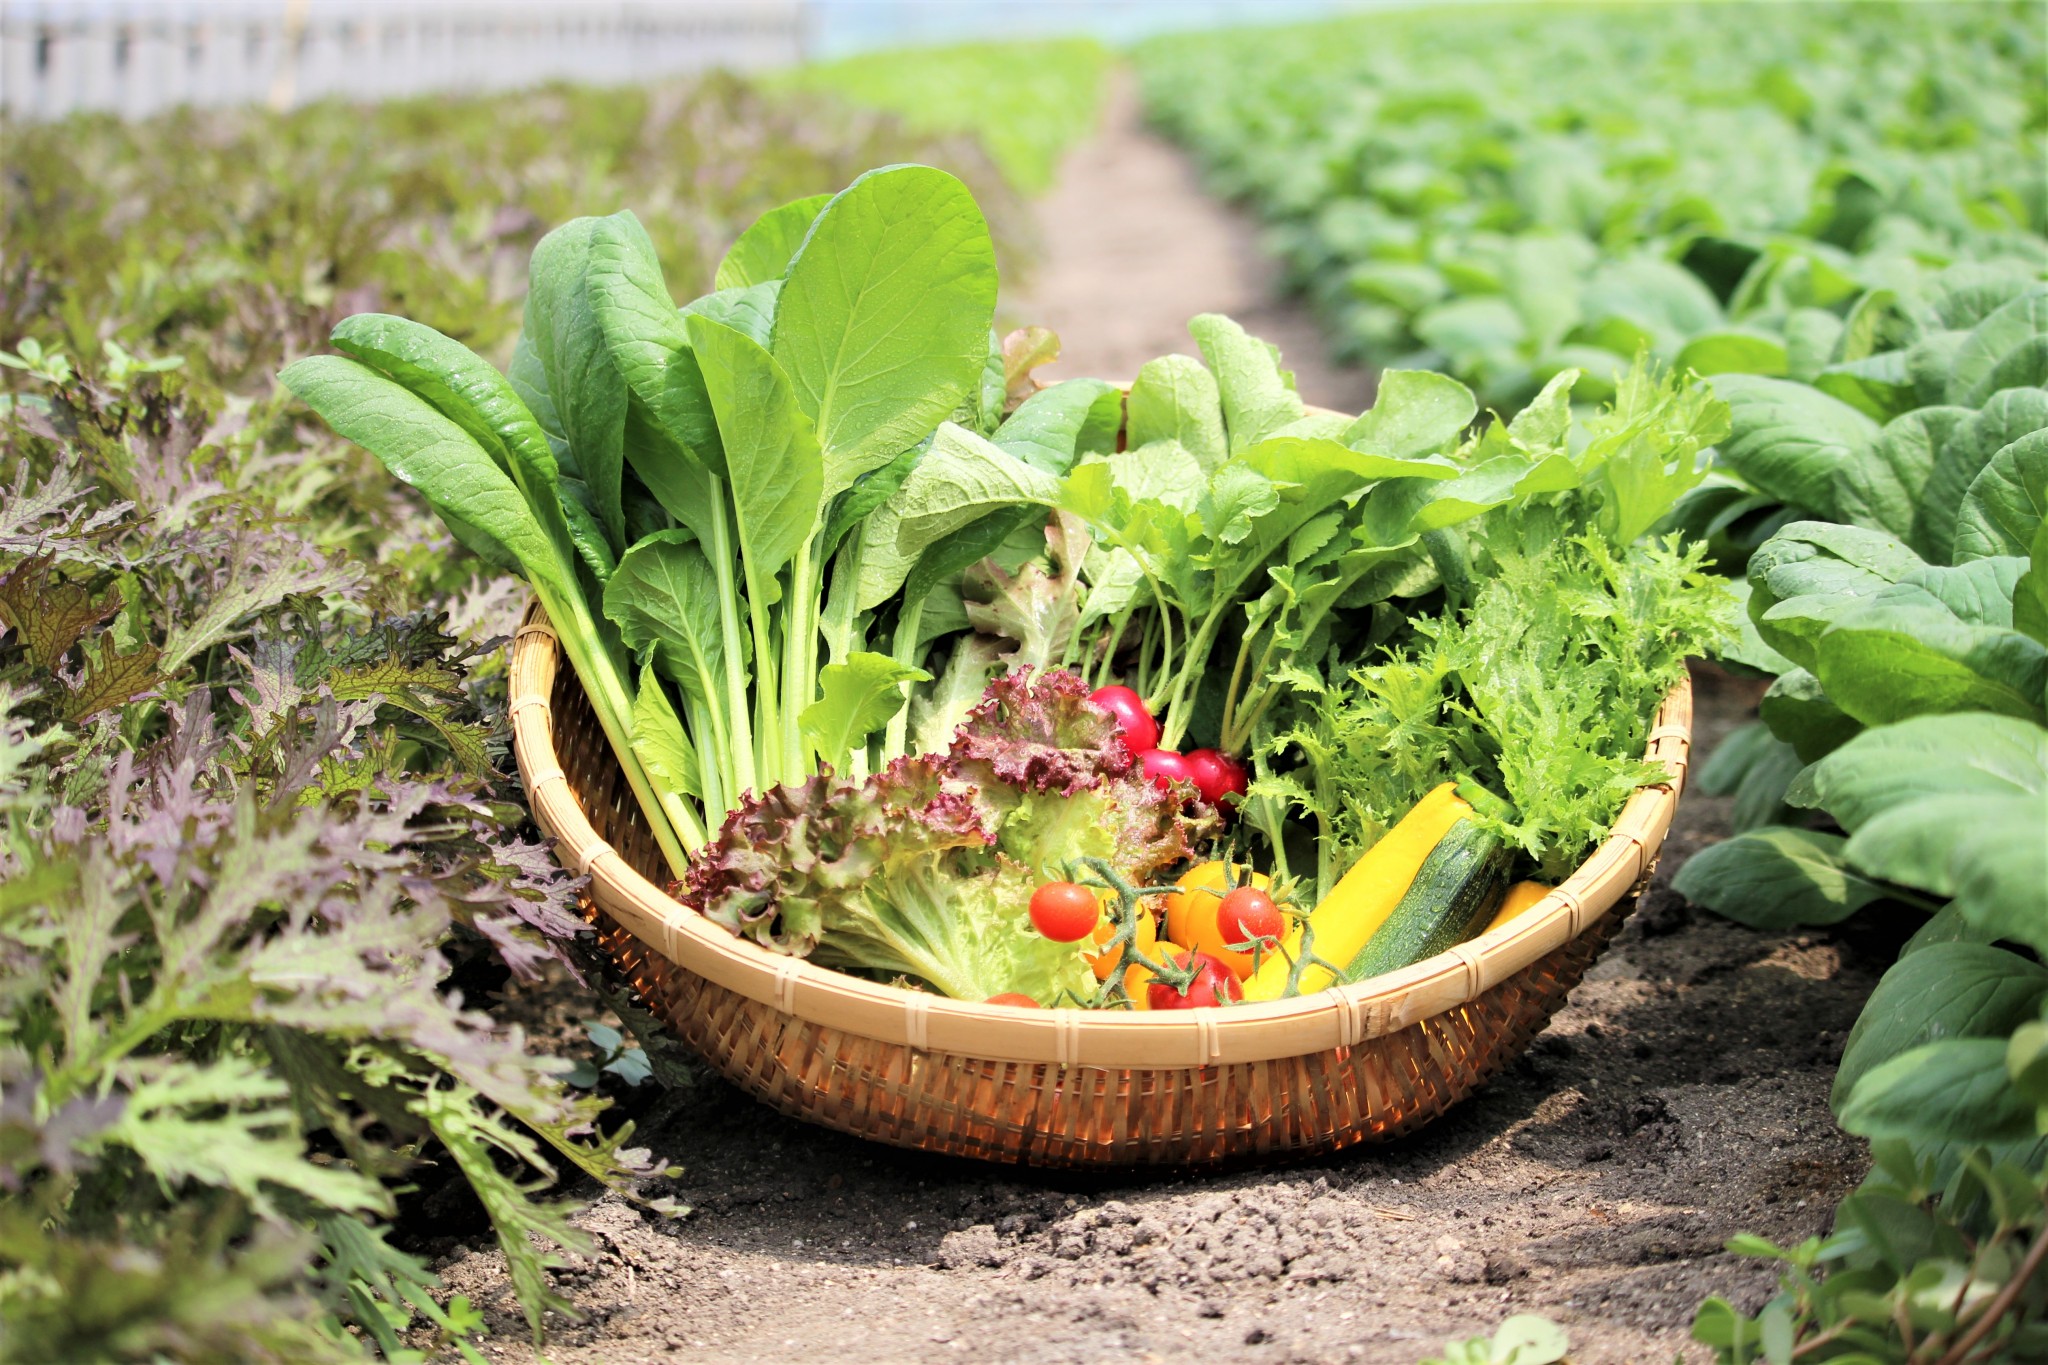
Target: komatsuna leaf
{"x": 1975, "y": 372}
{"x": 1883, "y": 663}
{"x": 1979, "y": 593}
{"x": 649, "y": 346}
{"x": 883, "y": 321}
{"x": 1811, "y": 573}
{"x": 1791, "y": 440}
{"x": 1985, "y": 852}
{"x": 749, "y": 309}
{"x": 775, "y": 471}
{"x": 1416, "y": 412}
{"x": 659, "y": 741}
{"x": 2030, "y": 593}
{"x": 763, "y": 252}
{"x": 1883, "y": 489}
{"x": 1777, "y": 877}
{"x": 1952, "y": 755}
{"x": 1946, "y": 990}
{"x": 1174, "y": 398}
{"x": 585, "y": 383}
{"x": 856, "y": 698}
{"x": 1955, "y": 1089}
{"x": 1799, "y": 711}
{"x": 1258, "y": 397}
{"x": 428, "y": 451}
{"x": 2004, "y": 419}
{"x": 2006, "y": 501}
{"x": 665, "y": 596}
{"x": 1046, "y": 429}
{"x": 1165, "y": 472}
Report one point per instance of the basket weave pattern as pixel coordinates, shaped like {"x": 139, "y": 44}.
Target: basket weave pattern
{"x": 1067, "y": 1087}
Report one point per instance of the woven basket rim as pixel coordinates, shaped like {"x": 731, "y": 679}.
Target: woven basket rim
{"x": 1256, "y": 1032}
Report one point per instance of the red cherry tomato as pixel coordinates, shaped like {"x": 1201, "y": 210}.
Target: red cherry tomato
{"x": 1015, "y": 999}
{"x": 1141, "y": 732}
{"x": 1213, "y": 984}
{"x": 1165, "y": 767}
{"x": 1248, "y": 913}
{"x": 1217, "y": 776}
{"x": 1065, "y": 912}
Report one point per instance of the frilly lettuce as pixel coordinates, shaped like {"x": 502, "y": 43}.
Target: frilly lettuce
{"x": 926, "y": 867}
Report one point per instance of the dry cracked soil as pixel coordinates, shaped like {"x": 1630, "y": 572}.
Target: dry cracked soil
{"x": 1679, "y": 1098}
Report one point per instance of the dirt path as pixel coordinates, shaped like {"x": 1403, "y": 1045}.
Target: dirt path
{"x": 1133, "y": 248}
{"x": 1681, "y": 1097}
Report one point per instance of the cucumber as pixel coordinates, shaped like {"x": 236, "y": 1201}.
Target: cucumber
{"x": 1455, "y": 892}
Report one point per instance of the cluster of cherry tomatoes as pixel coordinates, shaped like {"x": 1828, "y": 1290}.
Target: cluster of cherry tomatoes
{"x": 1217, "y": 776}
{"x": 1219, "y": 924}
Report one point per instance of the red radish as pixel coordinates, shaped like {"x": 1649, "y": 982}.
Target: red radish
{"x": 1141, "y": 732}
{"x": 1213, "y": 984}
{"x": 1217, "y": 775}
{"x": 1015, "y": 999}
{"x": 1165, "y": 767}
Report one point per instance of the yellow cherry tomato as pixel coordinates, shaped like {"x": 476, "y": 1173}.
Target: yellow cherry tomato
{"x": 1191, "y": 912}
{"x": 1146, "y": 936}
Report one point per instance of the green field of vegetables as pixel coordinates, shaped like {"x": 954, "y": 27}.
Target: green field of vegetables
{"x": 1701, "y": 331}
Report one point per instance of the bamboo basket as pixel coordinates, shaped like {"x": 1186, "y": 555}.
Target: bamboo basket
{"x": 1068, "y": 1087}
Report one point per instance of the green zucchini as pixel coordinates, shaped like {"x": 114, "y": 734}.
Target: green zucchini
{"x": 1455, "y": 892}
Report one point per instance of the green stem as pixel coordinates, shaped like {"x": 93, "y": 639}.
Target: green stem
{"x": 840, "y": 611}
{"x": 907, "y": 624}
{"x": 799, "y": 659}
{"x": 739, "y": 712}
{"x": 1191, "y": 664}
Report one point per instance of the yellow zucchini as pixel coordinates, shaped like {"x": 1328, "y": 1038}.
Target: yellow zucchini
{"x": 1520, "y": 897}
{"x": 1366, "y": 895}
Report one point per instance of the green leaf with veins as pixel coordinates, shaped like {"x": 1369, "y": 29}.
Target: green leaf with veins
{"x": 883, "y": 321}
{"x": 1946, "y": 990}
{"x": 664, "y": 596}
{"x": 659, "y": 740}
{"x": 1046, "y": 430}
{"x": 587, "y": 387}
{"x": 1952, "y": 1090}
{"x": 775, "y": 470}
{"x": 2006, "y": 501}
{"x": 763, "y": 252}
{"x": 1777, "y": 878}
{"x": 960, "y": 480}
{"x": 1174, "y": 398}
{"x": 1417, "y": 412}
{"x": 1257, "y": 396}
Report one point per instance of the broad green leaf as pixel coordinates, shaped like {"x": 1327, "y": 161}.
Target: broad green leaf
{"x": 1883, "y": 490}
{"x": 1164, "y": 472}
{"x": 1174, "y": 398}
{"x": 1046, "y": 429}
{"x": 1416, "y": 412}
{"x": 1545, "y": 423}
{"x": 1236, "y": 498}
{"x": 883, "y": 322}
{"x": 1799, "y": 712}
{"x": 1979, "y": 592}
{"x": 960, "y": 480}
{"x": 1812, "y": 573}
{"x": 1791, "y": 440}
{"x": 1763, "y": 795}
{"x": 1776, "y": 878}
{"x": 1883, "y": 663}
{"x": 2006, "y": 501}
{"x": 584, "y": 381}
{"x": 2030, "y": 593}
{"x": 1725, "y": 764}
{"x": 1975, "y": 372}
{"x": 774, "y": 469}
{"x": 856, "y": 698}
{"x": 423, "y": 448}
{"x": 650, "y": 348}
{"x": 665, "y": 596}
{"x": 585, "y": 531}
{"x": 658, "y": 739}
{"x": 1987, "y": 852}
{"x": 1732, "y": 352}
{"x": 2006, "y": 418}
{"x": 1953, "y": 1089}
{"x": 1258, "y": 397}
{"x": 1877, "y": 386}
{"x": 1748, "y": 648}
{"x": 868, "y": 493}
{"x": 764, "y": 251}
{"x": 1948, "y": 990}
{"x": 1959, "y": 755}
{"x": 749, "y": 309}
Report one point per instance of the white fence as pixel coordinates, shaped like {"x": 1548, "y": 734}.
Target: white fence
{"x": 136, "y": 58}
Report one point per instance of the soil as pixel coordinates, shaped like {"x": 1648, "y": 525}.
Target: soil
{"x": 1679, "y": 1098}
